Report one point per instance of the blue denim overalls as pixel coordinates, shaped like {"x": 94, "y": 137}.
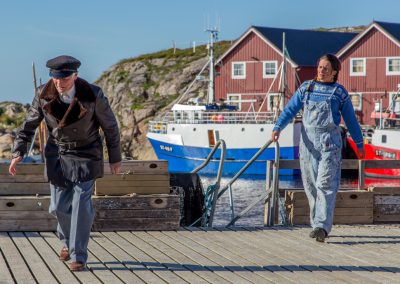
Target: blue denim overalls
{"x": 320, "y": 160}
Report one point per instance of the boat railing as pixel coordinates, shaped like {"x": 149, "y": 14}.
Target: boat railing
{"x": 271, "y": 192}
{"x": 215, "y": 118}
{"x": 213, "y": 194}
{"x": 212, "y": 191}
{"x": 391, "y": 122}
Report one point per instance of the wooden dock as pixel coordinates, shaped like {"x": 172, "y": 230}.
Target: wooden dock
{"x": 352, "y": 254}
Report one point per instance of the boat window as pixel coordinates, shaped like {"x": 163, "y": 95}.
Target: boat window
{"x": 384, "y": 138}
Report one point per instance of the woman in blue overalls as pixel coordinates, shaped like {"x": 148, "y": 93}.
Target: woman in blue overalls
{"x": 324, "y": 102}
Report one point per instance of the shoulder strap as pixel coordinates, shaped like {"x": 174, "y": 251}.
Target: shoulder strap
{"x": 309, "y": 89}
{"x": 310, "y": 86}
{"x": 334, "y": 90}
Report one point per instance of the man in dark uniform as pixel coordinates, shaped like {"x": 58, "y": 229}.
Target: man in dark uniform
{"x": 74, "y": 111}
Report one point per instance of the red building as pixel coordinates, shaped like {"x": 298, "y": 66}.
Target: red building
{"x": 371, "y": 68}
{"x": 251, "y": 68}
{"x": 370, "y": 65}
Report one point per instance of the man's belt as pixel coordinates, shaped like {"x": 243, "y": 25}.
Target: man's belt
{"x": 74, "y": 144}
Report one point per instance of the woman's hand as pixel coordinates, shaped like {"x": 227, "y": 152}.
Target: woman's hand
{"x": 275, "y": 135}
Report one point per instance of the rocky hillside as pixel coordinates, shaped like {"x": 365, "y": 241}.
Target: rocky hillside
{"x": 11, "y": 116}
{"x": 355, "y": 29}
{"x": 141, "y": 87}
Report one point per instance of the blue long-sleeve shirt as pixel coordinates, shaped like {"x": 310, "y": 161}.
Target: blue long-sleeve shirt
{"x": 341, "y": 107}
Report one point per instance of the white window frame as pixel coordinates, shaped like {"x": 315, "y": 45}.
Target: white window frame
{"x": 362, "y": 73}
{"x": 237, "y": 101}
{"x": 244, "y": 70}
{"x": 264, "y": 68}
{"x": 357, "y": 108}
{"x": 269, "y": 100}
{"x": 388, "y": 72}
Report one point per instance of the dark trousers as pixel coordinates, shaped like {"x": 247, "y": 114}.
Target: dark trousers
{"x": 74, "y": 211}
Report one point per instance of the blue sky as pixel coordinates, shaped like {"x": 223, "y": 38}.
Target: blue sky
{"x": 102, "y": 32}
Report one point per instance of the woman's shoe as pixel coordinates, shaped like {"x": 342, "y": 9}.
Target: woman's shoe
{"x": 320, "y": 234}
{"x": 312, "y": 234}
{"x": 77, "y": 266}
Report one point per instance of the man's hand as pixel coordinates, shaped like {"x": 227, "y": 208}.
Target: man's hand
{"x": 12, "y": 170}
{"x": 360, "y": 153}
{"x": 115, "y": 167}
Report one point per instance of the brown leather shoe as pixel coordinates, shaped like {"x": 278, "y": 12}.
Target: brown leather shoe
{"x": 64, "y": 254}
{"x": 77, "y": 266}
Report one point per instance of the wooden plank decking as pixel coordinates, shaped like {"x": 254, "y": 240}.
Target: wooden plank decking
{"x": 353, "y": 254}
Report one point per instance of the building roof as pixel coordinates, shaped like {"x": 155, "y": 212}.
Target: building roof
{"x": 392, "y": 28}
{"x": 306, "y": 46}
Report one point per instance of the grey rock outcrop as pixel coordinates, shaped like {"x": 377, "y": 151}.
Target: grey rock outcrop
{"x": 11, "y": 115}
{"x": 141, "y": 88}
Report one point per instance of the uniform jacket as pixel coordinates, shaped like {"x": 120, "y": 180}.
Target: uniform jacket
{"x": 74, "y": 150}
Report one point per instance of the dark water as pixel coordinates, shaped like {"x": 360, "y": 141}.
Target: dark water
{"x": 247, "y": 189}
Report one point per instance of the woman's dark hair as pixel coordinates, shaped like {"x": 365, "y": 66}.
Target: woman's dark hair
{"x": 336, "y": 65}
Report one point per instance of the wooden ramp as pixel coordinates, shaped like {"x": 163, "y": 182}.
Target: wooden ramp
{"x": 353, "y": 254}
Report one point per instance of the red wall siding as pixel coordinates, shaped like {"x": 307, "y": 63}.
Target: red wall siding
{"x": 252, "y": 50}
{"x": 307, "y": 73}
{"x": 375, "y": 47}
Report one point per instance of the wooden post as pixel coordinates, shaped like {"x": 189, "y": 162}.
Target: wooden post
{"x": 361, "y": 175}
{"x": 41, "y": 139}
{"x": 267, "y": 186}
{"x": 275, "y": 195}
{"x": 268, "y": 174}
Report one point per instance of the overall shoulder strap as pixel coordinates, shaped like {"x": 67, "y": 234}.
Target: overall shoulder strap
{"x": 334, "y": 91}
{"x": 309, "y": 89}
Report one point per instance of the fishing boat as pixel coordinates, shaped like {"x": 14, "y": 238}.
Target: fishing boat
{"x": 186, "y": 135}
{"x": 383, "y": 142}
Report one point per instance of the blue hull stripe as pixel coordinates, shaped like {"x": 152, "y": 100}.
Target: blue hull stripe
{"x": 186, "y": 158}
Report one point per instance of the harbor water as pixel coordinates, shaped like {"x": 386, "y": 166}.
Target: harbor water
{"x": 247, "y": 189}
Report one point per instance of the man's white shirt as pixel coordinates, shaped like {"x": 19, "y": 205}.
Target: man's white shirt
{"x": 68, "y": 96}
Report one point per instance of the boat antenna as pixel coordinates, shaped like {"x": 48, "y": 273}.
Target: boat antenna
{"x": 211, "y": 81}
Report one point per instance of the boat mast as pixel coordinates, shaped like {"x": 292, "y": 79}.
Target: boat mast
{"x": 211, "y": 86}
{"x": 282, "y": 83}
